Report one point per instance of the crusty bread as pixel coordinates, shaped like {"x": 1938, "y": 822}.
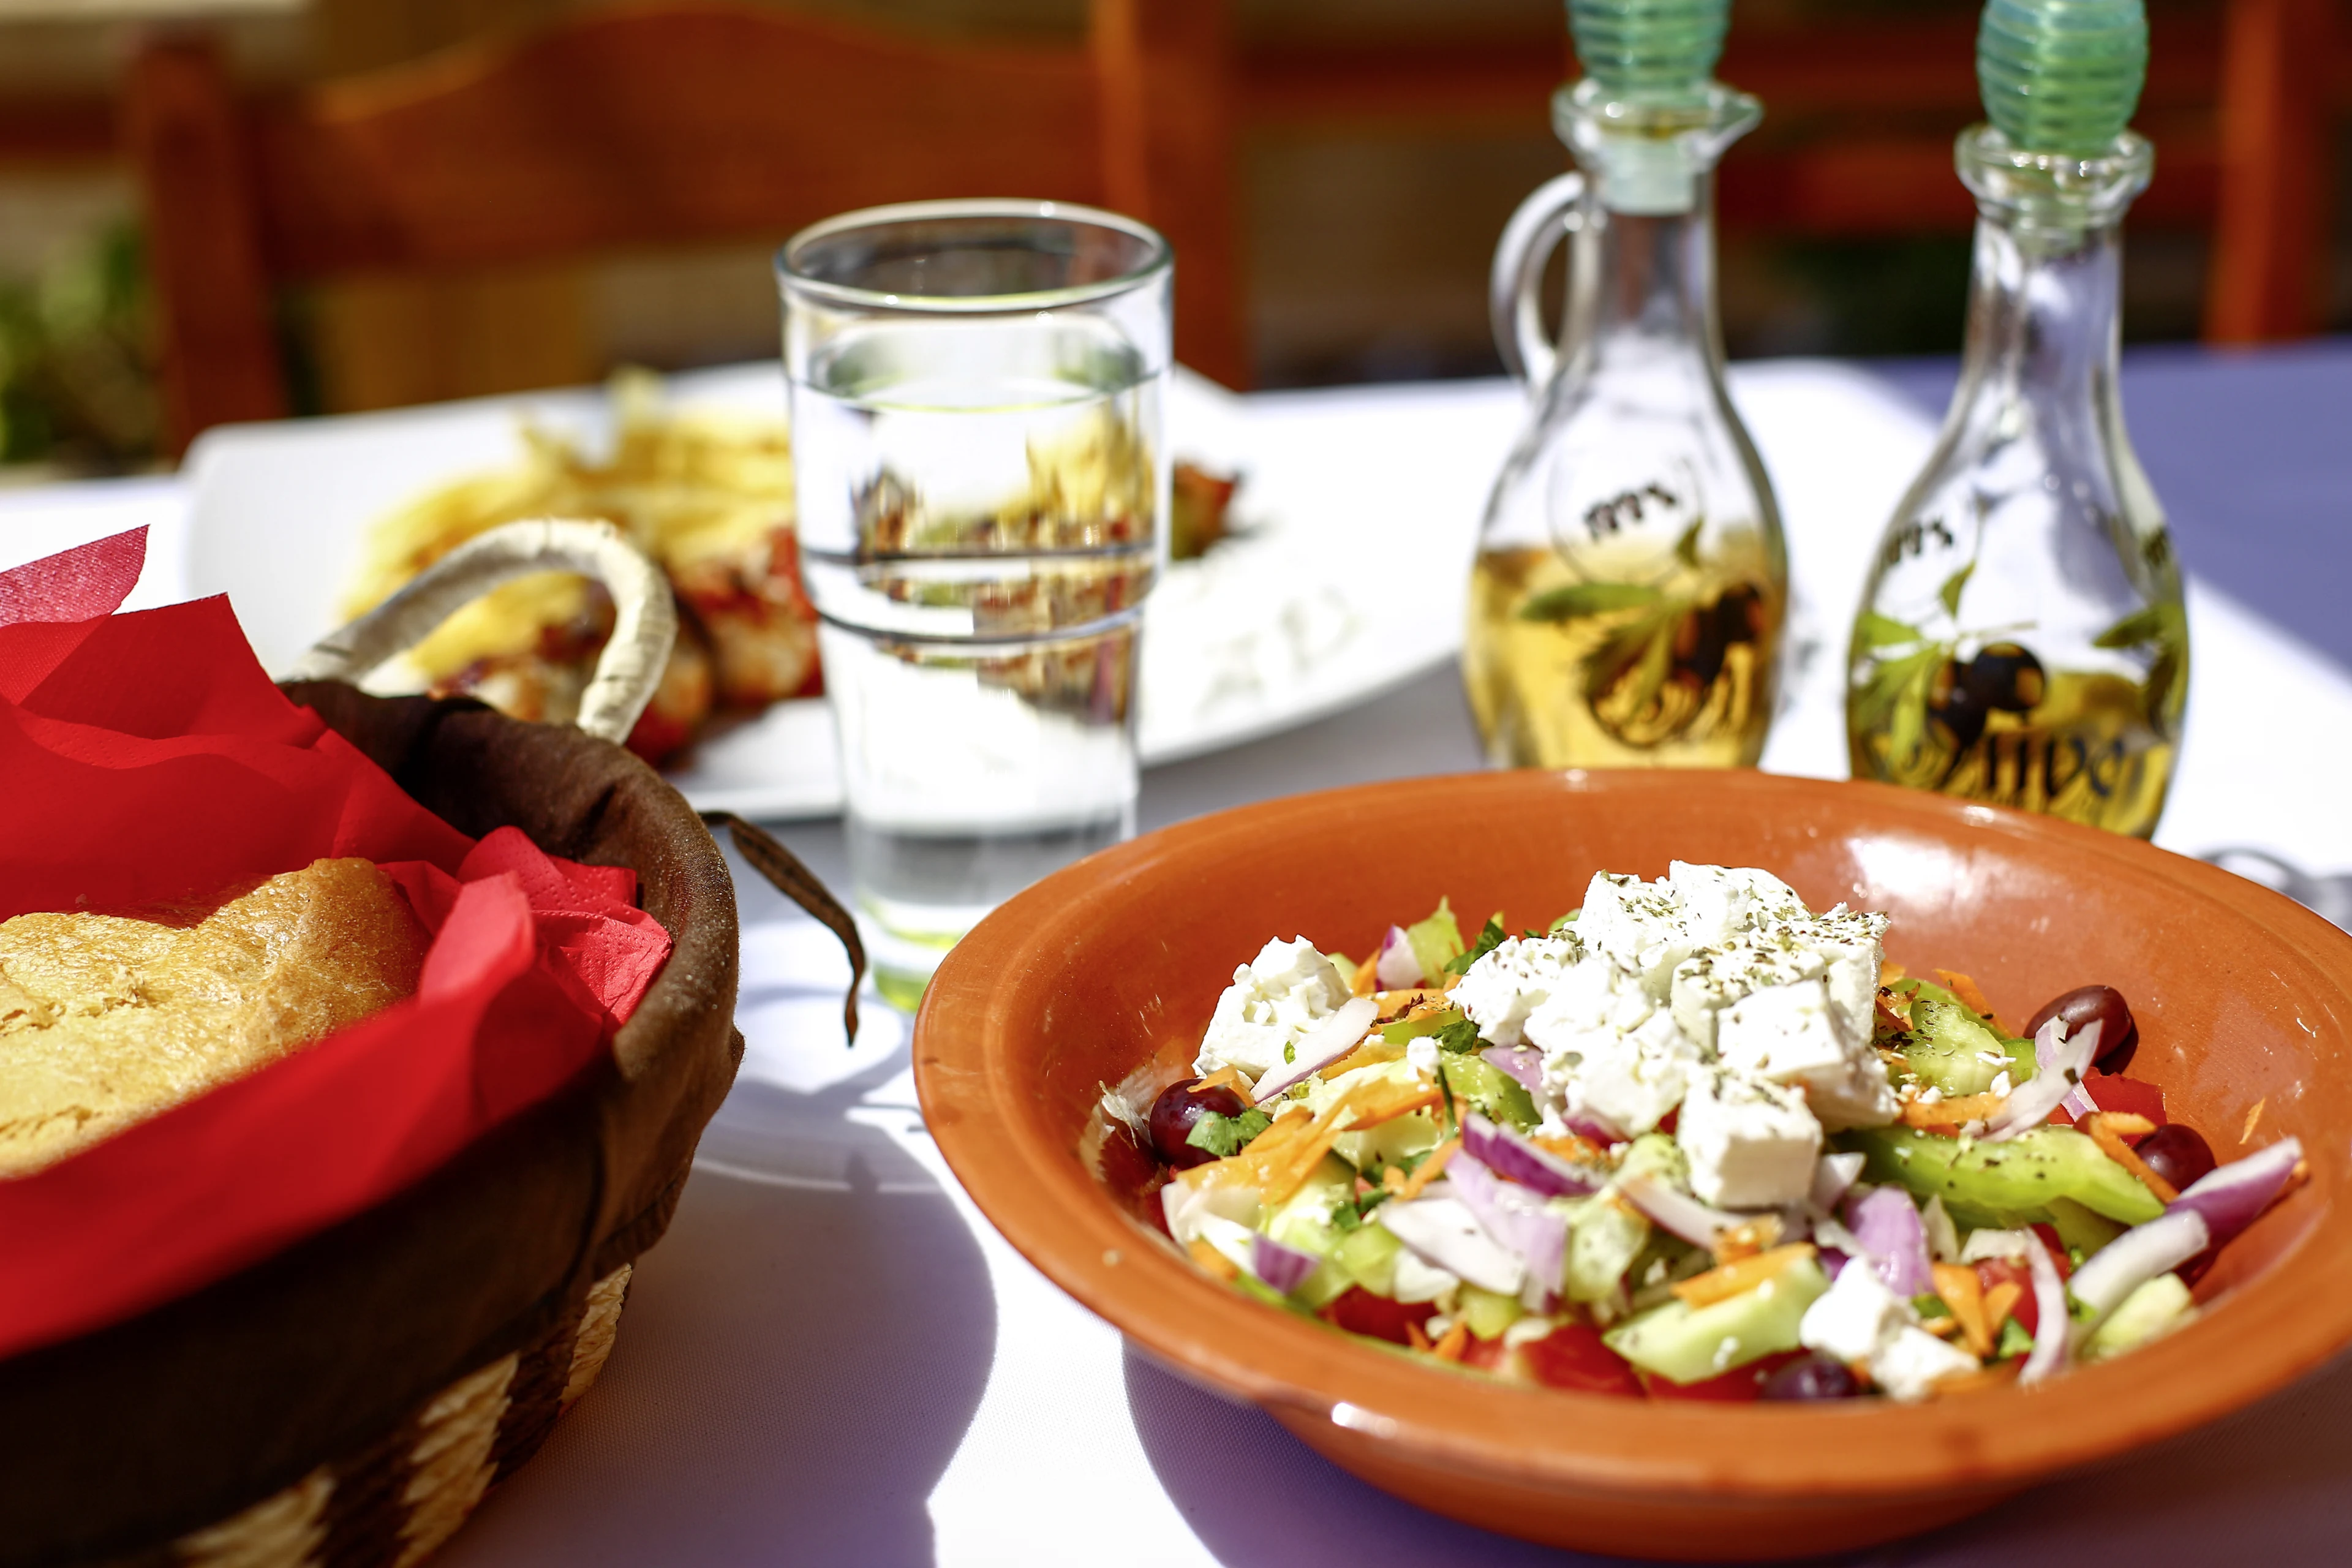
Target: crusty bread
{"x": 104, "y": 1021}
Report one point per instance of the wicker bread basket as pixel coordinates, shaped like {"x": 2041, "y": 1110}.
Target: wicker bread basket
{"x": 349, "y": 1401}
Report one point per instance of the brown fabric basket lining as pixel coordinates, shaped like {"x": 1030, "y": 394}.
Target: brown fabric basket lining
{"x": 321, "y": 1359}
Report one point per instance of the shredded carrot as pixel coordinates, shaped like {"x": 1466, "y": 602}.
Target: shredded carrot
{"x": 1212, "y": 1261}
{"x": 1392, "y": 1179}
{"x": 1738, "y": 1279}
{"x": 1749, "y": 1239}
{"x": 1569, "y": 1146}
{"x": 2109, "y": 1128}
{"x": 1999, "y": 1375}
{"x": 1229, "y": 1077}
{"x": 1966, "y": 990}
{"x": 1385, "y": 1101}
{"x": 1454, "y": 1341}
{"x": 1963, "y": 1292}
{"x": 1889, "y": 972}
{"x": 1398, "y": 1005}
{"x": 1295, "y": 1161}
{"x": 1953, "y": 1112}
{"x": 1999, "y": 1302}
{"x": 1419, "y": 1341}
{"x": 2254, "y": 1120}
{"x": 1427, "y": 1170}
{"x": 1942, "y": 1328}
{"x": 1896, "y": 1008}
{"x": 1366, "y": 979}
{"x": 1370, "y": 1054}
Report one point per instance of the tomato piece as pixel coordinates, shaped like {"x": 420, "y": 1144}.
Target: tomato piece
{"x": 1377, "y": 1317}
{"x": 2126, "y": 1095}
{"x": 1995, "y": 1271}
{"x": 1488, "y": 1356}
{"x": 1574, "y": 1357}
{"x": 1740, "y": 1385}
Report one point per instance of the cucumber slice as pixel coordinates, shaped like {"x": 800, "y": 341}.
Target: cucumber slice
{"x": 1687, "y": 1344}
{"x": 2007, "y": 1185}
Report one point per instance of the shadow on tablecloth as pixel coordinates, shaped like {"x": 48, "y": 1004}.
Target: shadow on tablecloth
{"x": 798, "y": 1363}
{"x": 2272, "y": 1486}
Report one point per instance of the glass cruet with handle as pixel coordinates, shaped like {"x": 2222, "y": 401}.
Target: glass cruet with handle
{"x": 1630, "y": 583}
{"x": 2022, "y": 638}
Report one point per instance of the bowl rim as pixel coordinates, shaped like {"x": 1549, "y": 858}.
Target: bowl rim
{"x": 1039, "y": 1194}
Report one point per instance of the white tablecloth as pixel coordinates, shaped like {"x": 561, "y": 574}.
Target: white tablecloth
{"x": 834, "y": 1359}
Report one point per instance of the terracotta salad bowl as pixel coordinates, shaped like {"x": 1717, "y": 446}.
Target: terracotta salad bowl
{"x": 2244, "y": 998}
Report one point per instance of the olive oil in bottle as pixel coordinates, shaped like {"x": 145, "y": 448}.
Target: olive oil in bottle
{"x": 1630, "y": 583}
{"x": 2021, "y": 639}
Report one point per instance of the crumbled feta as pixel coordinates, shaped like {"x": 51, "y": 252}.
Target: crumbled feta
{"x": 1609, "y": 1052}
{"x": 1638, "y": 926}
{"x": 1421, "y": 1053}
{"x": 1751, "y": 1143}
{"x": 1273, "y": 1001}
{"x": 1789, "y": 1034}
{"x": 1988, "y": 1243}
{"x": 1909, "y": 1366}
{"x": 1720, "y": 901}
{"x": 1855, "y": 1317}
{"x": 1512, "y": 981}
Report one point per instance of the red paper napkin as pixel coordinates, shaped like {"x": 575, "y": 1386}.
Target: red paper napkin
{"x": 147, "y": 760}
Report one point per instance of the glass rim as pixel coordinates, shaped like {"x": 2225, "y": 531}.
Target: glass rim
{"x": 1159, "y": 256}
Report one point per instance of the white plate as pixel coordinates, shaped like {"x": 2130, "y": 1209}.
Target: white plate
{"x": 1321, "y": 604}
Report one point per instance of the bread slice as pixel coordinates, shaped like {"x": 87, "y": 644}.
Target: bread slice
{"x": 105, "y": 1021}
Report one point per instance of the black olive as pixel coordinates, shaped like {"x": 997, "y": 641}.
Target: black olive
{"x": 1178, "y": 1108}
{"x": 2179, "y": 1154}
{"x": 2118, "y": 1033}
{"x": 2004, "y": 678}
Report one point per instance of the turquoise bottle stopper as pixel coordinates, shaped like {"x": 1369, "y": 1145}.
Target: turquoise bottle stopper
{"x": 2061, "y": 76}
{"x": 1649, "y": 51}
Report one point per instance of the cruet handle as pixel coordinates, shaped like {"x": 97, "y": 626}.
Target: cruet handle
{"x": 1513, "y": 305}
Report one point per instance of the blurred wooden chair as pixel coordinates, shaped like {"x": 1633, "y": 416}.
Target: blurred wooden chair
{"x": 2242, "y": 99}
{"x": 676, "y": 123}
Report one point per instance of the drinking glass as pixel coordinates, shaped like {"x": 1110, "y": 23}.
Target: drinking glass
{"x": 981, "y": 483}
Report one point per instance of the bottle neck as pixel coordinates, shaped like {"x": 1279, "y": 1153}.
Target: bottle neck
{"x": 2045, "y": 285}
{"x": 1648, "y": 276}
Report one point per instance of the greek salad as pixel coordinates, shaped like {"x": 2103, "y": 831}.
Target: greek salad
{"x": 1693, "y": 1140}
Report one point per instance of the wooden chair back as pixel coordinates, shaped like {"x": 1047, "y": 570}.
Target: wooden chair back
{"x": 673, "y": 124}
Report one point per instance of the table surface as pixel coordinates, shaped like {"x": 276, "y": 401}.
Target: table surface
{"x": 833, "y": 1358}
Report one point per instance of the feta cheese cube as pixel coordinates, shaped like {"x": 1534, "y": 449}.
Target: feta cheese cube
{"x": 1910, "y": 1365}
{"x": 1638, "y": 926}
{"x": 1719, "y": 902}
{"x": 1273, "y": 1001}
{"x": 1791, "y": 1034}
{"x": 1512, "y": 981}
{"x": 1751, "y": 1144}
{"x": 1609, "y": 1052}
{"x": 1856, "y": 1318}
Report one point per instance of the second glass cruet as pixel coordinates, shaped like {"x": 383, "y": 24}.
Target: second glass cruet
{"x": 2022, "y": 638}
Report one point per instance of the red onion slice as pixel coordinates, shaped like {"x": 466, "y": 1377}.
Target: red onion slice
{"x": 1678, "y": 1214}
{"x": 2231, "y": 1197}
{"x": 1885, "y": 1224}
{"x": 1398, "y": 966}
{"x": 2060, "y": 1061}
{"x": 1321, "y": 1046}
{"x": 1508, "y": 1154}
{"x": 2079, "y": 1103}
{"x": 2048, "y": 1356}
{"x": 1443, "y": 1230}
{"x": 1522, "y": 1063}
{"x": 1584, "y": 1124}
{"x": 2137, "y": 1257}
{"x": 1281, "y": 1268}
{"x": 1518, "y": 1220}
